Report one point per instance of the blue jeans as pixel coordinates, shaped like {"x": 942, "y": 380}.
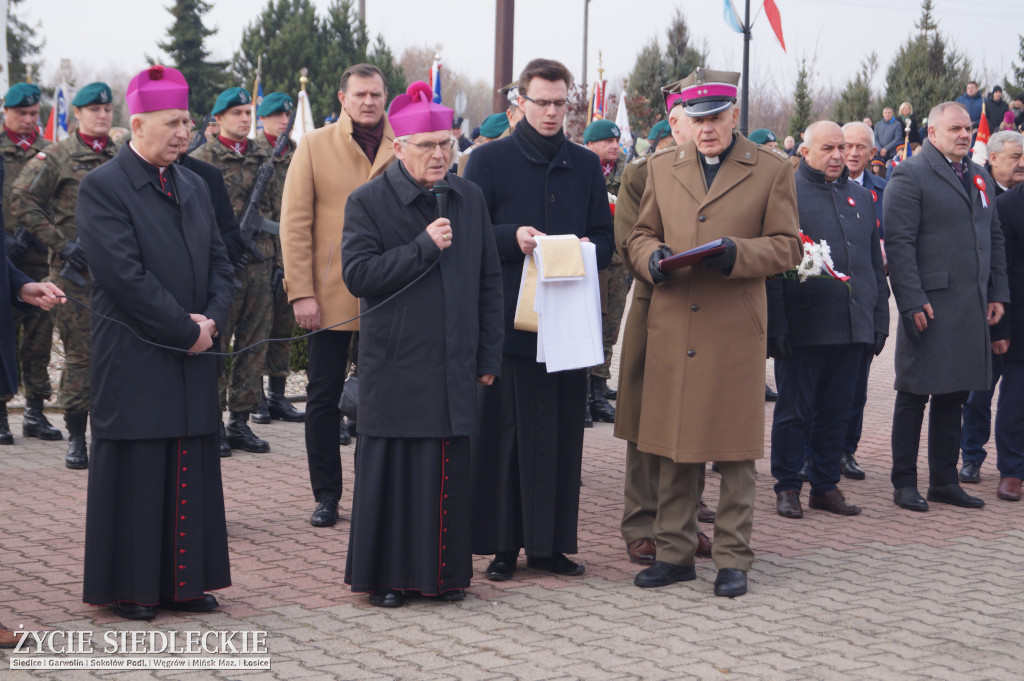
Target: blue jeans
{"x": 812, "y": 413}
{"x": 977, "y": 415}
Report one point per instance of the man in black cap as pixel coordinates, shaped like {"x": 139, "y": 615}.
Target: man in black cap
{"x": 704, "y": 367}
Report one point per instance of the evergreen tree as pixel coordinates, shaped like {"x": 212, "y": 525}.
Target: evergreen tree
{"x": 1014, "y": 83}
{"x": 645, "y": 83}
{"x": 926, "y": 70}
{"x": 185, "y": 50}
{"x": 23, "y": 46}
{"x": 855, "y": 99}
{"x": 680, "y": 56}
{"x": 801, "y": 116}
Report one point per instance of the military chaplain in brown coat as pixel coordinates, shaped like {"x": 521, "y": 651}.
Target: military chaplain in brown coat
{"x": 703, "y": 393}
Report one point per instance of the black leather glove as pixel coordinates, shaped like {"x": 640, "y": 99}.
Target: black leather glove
{"x": 277, "y": 282}
{"x": 657, "y": 276}
{"x": 16, "y": 248}
{"x": 73, "y": 254}
{"x": 879, "y": 343}
{"x": 722, "y": 261}
{"x": 779, "y": 348}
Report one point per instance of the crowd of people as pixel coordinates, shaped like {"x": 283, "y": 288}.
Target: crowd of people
{"x": 387, "y": 226}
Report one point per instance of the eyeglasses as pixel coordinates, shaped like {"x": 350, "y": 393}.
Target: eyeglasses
{"x": 545, "y": 103}
{"x": 446, "y": 147}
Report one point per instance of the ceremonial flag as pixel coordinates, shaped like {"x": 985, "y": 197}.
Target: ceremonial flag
{"x": 980, "y": 153}
{"x": 597, "y": 104}
{"x": 772, "y": 12}
{"x": 435, "y": 78}
{"x": 622, "y": 121}
{"x": 257, "y": 125}
{"x": 57, "y": 125}
{"x": 304, "y": 117}
{"x": 732, "y": 19}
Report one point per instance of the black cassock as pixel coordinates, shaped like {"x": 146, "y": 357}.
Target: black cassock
{"x": 155, "y": 527}
{"x": 419, "y": 357}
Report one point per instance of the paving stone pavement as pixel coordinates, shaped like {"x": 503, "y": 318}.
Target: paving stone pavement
{"x": 886, "y": 595}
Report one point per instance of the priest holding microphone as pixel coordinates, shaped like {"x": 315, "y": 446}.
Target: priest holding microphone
{"x": 418, "y": 245}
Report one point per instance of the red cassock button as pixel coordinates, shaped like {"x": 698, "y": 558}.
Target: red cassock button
{"x": 184, "y": 518}
{"x": 181, "y": 550}
{"x": 181, "y": 534}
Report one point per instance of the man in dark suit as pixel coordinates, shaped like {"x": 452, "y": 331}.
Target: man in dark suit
{"x": 1006, "y": 165}
{"x": 948, "y": 272}
{"x": 155, "y": 529}
{"x": 824, "y": 325}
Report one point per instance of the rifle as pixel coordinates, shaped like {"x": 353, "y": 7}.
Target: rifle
{"x": 200, "y": 137}
{"x": 252, "y": 223}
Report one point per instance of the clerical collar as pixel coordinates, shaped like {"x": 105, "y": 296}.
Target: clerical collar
{"x": 239, "y": 146}
{"x": 97, "y": 144}
{"x": 131, "y": 145}
{"x": 22, "y": 141}
{"x": 715, "y": 160}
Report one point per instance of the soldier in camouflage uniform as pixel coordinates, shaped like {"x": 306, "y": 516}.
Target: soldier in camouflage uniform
{"x": 274, "y": 111}
{"x": 20, "y": 143}
{"x": 253, "y": 306}
{"x": 602, "y": 137}
{"x": 44, "y": 201}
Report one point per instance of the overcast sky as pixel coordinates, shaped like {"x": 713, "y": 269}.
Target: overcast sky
{"x": 105, "y": 35}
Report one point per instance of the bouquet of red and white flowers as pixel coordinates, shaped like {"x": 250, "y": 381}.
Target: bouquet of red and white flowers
{"x": 816, "y": 264}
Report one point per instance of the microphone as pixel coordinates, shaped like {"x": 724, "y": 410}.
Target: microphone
{"x": 440, "y": 191}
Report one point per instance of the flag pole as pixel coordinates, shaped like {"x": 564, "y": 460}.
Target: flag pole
{"x": 746, "y": 70}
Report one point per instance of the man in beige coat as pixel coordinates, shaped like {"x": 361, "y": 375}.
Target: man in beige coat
{"x": 330, "y": 164}
{"x": 703, "y": 392}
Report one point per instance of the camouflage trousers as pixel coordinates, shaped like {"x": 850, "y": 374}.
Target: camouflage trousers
{"x": 72, "y": 322}
{"x": 614, "y": 282}
{"x": 33, "y": 330}
{"x": 279, "y": 355}
{"x": 250, "y": 320}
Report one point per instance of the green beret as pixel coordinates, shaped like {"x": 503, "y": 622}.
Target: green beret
{"x": 93, "y": 93}
{"x": 233, "y": 96}
{"x": 762, "y": 136}
{"x": 601, "y": 129}
{"x": 659, "y": 130}
{"x": 494, "y": 125}
{"x": 21, "y": 94}
{"x": 275, "y": 102}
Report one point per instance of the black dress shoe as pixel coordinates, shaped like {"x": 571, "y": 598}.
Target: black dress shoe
{"x": 133, "y": 611}
{"x": 345, "y": 437}
{"x": 704, "y": 513}
{"x": 910, "y": 499}
{"x": 386, "y": 598}
{"x": 326, "y": 513}
{"x": 556, "y": 564}
{"x": 849, "y": 468}
{"x": 731, "y": 583}
{"x": 970, "y": 472}
{"x": 803, "y": 475}
{"x": 955, "y": 495}
{"x": 205, "y": 603}
{"x": 770, "y": 395}
{"x": 502, "y": 567}
{"x": 663, "y": 574}
{"x": 450, "y": 596}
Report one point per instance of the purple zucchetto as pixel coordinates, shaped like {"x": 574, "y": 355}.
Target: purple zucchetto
{"x": 157, "y": 88}
{"x": 416, "y": 112}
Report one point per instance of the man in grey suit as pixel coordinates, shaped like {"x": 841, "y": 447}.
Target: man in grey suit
{"x": 948, "y": 272}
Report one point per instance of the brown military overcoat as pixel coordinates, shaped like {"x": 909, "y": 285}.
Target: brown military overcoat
{"x": 326, "y": 168}
{"x": 703, "y": 392}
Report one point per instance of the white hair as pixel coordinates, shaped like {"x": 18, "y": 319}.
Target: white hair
{"x": 1004, "y": 137}
{"x": 859, "y": 125}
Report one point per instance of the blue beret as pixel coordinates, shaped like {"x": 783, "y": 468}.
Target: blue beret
{"x": 601, "y": 129}
{"x": 233, "y": 96}
{"x": 275, "y": 102}
{"x": 21, "y": 94}
{"x": 494, "y": 125}
{"x": 93, "y": 93}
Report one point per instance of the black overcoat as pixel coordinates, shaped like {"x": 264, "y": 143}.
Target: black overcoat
{"x": 945, "y": 247}
{"x": 10, "y": 284}
{"x": 154, "y": 259}
{"x": 522, "y": 187}
{"x": 1011, "y": 214}
{"x": 421, "y": 353}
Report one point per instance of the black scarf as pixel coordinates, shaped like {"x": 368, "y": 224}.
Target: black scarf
{"x": 547, "y": 146}
{"x": 369, "y": 139}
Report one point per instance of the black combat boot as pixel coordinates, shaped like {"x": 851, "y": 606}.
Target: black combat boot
{"x": 344, "y": 437}
{"x": 240, "y": 436}
{"x": 77, "y": 457}
{"x": 35, "y": 424}
{"x": 279, "y": 406}
{"x": 610, "y": 393}
{"x": 600, "y": 408}
{"x": 222, "y": 438}
{"x": 6, "y": 437}
{"x": 260, "y": 414}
